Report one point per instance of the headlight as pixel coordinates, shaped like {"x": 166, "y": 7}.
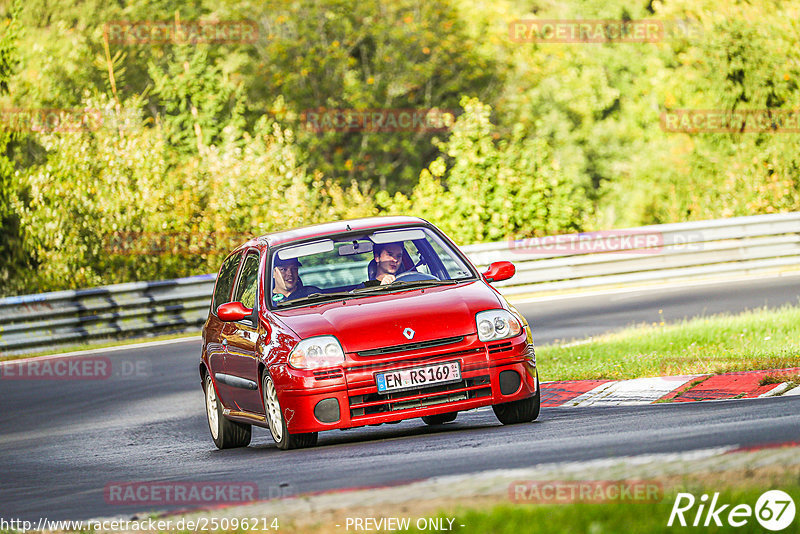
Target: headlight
{"x": 497, "y": 324}
{"x": 317, "y": 352}
{"x": 523, "y": 322}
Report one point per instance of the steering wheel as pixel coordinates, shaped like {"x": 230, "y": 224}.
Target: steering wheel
{"x": 414, "y": 276}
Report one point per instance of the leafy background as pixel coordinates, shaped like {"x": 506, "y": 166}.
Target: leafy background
{"x": 202, "y": 146}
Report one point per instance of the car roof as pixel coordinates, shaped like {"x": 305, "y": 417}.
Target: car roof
{"x": 331, "y": 228}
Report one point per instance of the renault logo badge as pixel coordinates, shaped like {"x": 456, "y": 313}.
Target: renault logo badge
{"x": 408, "y": 333}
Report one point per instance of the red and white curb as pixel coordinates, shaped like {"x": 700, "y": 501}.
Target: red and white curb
{"x": 689, "y": 388}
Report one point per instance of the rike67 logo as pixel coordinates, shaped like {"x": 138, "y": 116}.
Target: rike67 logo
{"x": 774, "y": 510}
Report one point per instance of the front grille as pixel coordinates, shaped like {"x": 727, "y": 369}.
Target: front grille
{"x": 500, "y": 347}
{"x": 411, "y": 346}
{"x": 374, "y": 403}
{"x": 328, "y": 374}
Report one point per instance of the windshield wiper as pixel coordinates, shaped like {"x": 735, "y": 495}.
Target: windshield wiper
{"x": 405, "y": 285}
{"x": 362, "y": 291}
{"x": 318, "y": 297}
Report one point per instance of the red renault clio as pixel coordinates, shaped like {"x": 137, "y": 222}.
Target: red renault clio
{"x": 357, "y": 323}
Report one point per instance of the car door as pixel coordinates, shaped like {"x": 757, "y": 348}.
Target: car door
{"x": 241, "y": 361}
{"x": 216, "y": 345}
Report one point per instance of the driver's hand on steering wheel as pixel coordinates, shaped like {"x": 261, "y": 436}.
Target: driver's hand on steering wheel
{"x": 387, "y": 279}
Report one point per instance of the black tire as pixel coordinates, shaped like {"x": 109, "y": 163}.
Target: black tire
{"x": 277, "y": 424}
{"x": 226, "y": 434}
{"x": 440, "y": 419}
{"x": 521, "y": 411}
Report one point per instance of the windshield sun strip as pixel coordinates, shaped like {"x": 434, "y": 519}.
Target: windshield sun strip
{"x": 448, "y": 246}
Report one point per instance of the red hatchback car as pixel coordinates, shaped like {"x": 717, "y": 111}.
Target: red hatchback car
{"x": 358, "y": 323}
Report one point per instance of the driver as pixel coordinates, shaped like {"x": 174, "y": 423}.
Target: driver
{"x": 388, "y": 261}
{"x": 287, "y": 283}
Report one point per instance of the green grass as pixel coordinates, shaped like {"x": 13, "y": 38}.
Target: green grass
{"x": 614, "y": 517}
{"x": 792, "y": 379}
{"x": 759, "y": 339}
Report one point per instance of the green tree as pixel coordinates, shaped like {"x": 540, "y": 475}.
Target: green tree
{"x": 732, "y": 65}
{"x": 342, "y": 55}
{"x": 196, "y": 99}
{"x": 13, "y": 258}
{"x": 111, "y": 203}
{"x": 480, "y": 189}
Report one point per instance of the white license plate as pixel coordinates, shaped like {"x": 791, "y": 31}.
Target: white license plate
{"x": 417, "y": 377}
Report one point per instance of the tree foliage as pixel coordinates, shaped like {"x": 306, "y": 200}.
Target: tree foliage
{"x": 481, "y": 189}
{"x": 111, "y": 205}
{"x": 13, "y": 258}
{"x": 342, "y": 55}
{"x": 202, "y": 146}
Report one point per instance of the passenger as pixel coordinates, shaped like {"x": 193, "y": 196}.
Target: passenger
{"x": 287, "y": 283}
{"x": 388, "y": 261}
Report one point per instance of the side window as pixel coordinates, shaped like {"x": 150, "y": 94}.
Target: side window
{"x": 417, "y": 256}
{"x": 225, "y": 278}
{"x": 455, "y": 269}
{"x": 248, "y": 281}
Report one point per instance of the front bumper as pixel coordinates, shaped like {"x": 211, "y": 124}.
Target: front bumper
{"x": 347, "y": 397}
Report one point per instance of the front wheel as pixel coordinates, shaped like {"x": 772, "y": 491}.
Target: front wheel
{"x": 226, "y": 434}
{"x": 277, "y": 424}
{"x": 521, "y": 411}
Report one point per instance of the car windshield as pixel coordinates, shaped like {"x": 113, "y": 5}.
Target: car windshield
{"x": 361, "y": 264}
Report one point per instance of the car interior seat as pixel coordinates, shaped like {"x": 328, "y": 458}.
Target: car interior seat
{"x": 407, "y": 265}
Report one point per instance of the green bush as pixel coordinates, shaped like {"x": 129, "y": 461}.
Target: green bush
{"x": 202, "y": 146}
{"x": 480, "y": 189}
{"x": 108, "y": 205}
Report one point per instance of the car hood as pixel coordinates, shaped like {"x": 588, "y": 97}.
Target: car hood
{"x": 380, "y": 320}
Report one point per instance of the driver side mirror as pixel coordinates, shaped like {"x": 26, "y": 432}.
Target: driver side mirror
{"x": 499, "y": 271}
{"x": 233, "y": 311}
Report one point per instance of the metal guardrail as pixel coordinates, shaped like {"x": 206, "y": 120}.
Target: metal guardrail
{"x": 738, "y": 246}
{"x": 48, "y": 320}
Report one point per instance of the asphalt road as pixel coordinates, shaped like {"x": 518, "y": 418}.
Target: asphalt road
{"x": 580, "y": 317}
{"x": 63, "y": 442}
